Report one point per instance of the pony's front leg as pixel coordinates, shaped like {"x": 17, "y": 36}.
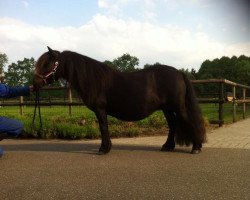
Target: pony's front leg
{"x": 103, "y": 125}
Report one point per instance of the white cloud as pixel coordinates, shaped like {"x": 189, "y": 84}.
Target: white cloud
{"x": 103, "y": 4}
{"x": 105, "y": 38}
{"x": 113, "y": 7}
{"x": 26, "y": 4}
{"x": 111, "y": 3}
{"x": 119, "y": 8}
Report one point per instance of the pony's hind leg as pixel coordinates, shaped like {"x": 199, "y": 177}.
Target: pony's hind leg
{"x": 188, "y": 134}
{"x": 196, "y": 148}
{"x": 170, "y": 143}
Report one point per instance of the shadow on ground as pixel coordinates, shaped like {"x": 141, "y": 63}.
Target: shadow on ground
{"x": 81, "y": 148}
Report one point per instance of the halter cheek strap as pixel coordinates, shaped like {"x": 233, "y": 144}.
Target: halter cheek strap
{"x": 51, "y": 73}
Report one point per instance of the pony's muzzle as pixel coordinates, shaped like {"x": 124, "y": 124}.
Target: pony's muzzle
{"x": 38, "y": 82}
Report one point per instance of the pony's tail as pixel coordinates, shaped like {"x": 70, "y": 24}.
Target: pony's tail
{"x": 193, "y": 127}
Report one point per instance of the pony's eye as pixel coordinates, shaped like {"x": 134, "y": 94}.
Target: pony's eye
{"x": 47, "y": 66}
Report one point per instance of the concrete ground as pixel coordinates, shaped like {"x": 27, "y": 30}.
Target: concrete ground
{"x": 134, "y": 169}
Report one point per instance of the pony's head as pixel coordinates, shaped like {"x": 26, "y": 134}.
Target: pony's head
{"x": 46, "y": 68}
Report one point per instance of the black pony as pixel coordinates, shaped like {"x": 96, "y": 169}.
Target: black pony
{"x": 128, "y": 96}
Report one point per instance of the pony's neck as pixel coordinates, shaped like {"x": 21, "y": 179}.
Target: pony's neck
{"x": 87, "y": 76}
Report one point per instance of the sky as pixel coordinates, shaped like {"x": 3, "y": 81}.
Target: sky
{"x": 179, "y": 33}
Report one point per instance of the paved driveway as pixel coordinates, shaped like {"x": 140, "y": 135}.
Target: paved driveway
{"x": 134, "y": 169}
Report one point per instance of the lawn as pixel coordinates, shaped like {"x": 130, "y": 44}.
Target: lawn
{"x": 83, "y": 124}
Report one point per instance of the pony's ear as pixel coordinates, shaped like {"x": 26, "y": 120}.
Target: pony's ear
{"x": 52, "y": 52}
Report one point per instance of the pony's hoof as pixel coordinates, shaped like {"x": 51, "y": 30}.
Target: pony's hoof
{"x": 195, "y": 151}
{"x": 1, "y": 152}
{"x": 167, "y": 149}
{"x": 103, "y": 151}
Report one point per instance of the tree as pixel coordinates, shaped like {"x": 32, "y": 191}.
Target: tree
{"x": 242, "y": 72}
{"x": 149, "y": 65}
{"x": 193, "y": 73}
{"x": 20, "y": 73}
{"x": 109, "y": 63}
{"x": 3, "y": 61}
{"x": 234, "y": 69}
{"x": 126, "y": 63}
{"x": 190, "y": 74}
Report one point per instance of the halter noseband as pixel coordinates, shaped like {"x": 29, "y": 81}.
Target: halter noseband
{"x": 51, "y": 73}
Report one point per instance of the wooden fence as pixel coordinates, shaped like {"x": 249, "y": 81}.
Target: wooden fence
{"x": 220, "y": 99}
{"x": 67, "y": 102}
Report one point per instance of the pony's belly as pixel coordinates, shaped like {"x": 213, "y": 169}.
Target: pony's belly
{"x": 132, "y": 106}
{"x": 129, "y": 114}
{"x": 128, "y": 117}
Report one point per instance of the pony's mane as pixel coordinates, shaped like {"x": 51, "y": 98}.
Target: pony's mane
{"x": 93, "y": 75}
{"x": 91, "y": 64}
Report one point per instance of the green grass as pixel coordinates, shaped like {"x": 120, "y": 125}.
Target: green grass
{"x": 83, "y": 124}
{"x": 210, "y": 112}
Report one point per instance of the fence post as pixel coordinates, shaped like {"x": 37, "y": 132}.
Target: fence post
{"x": 244, "y": 104}
{"x": 234, "y": 105}
{"x": 221, "y": 109}
{"x": 70, "y": 100}
{"x": 21, "y": 105}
